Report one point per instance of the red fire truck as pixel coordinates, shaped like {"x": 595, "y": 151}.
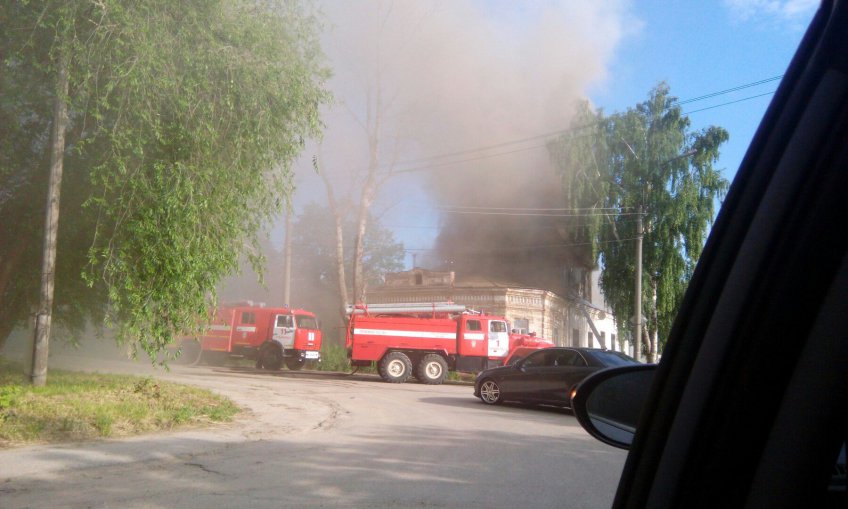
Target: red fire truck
{"x": 271, "y": 336}
{"x": 427, "y": 340}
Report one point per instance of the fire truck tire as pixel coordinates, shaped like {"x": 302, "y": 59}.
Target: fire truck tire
{"x": 190, "y": 352}
{"x": 395, "y": 367}
{"x": 295, "y": 363}
{"x": 432, "y": 369}
{"x": 490, "y": 392}
{"x": 271, "y": 357}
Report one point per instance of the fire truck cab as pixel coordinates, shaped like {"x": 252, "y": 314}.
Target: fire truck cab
{"x": 271, "y": 336}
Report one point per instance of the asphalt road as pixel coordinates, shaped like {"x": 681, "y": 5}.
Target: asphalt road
{"x": 315, "y": 440}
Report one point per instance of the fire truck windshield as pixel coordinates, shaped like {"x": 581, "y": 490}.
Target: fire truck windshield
{"x": 306, "y": 322}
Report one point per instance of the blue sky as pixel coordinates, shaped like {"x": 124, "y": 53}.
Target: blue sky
{"x": 703, "y": 47}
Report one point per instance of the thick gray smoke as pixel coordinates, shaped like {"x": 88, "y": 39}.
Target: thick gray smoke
{"x": 452, "y": 77}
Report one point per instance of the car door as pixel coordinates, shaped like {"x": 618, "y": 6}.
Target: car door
{"x": 748, "y": 405}
{"x": 521, "y": 382}
{"x": 556, "y": 380}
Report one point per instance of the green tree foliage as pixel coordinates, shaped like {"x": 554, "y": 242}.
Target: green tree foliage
{"x": 647, "y": 157}
{"x": 184, "y": 118}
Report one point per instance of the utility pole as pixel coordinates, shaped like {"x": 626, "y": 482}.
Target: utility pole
{"x": 637, "y": 300}
{"x": 287, "y": 262}
{"x": 44, "y": 316}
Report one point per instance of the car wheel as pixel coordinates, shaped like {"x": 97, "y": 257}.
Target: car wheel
{"x": 271, "y": 357}
{"x": 395, "y": 367}
{"x": 432, "y": 369}
{"x": 490, "y": 392}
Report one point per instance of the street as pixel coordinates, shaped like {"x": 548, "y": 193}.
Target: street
{"x": 309, "y": 440}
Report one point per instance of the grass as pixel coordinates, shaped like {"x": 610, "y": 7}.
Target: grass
{"x": 334, "y": 358}
{"x": 84, "y": 406}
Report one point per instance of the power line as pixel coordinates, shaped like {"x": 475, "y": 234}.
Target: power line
{"x": 730, "y": 102}
{"x": 424, "y": 167}
{"x": 729, "y": 90}
{"x": 530, "y": 209}
{"x": 491, "y": 249}
{"x": 543, "y": 214}
{"x": 432, "y": 159}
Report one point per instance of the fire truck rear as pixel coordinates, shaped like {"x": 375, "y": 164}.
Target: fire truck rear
{"x": 425, "y": 340}
{"x": 271, "y": 336}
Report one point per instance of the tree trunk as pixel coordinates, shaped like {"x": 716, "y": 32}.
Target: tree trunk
{"x": 368, "y": 192}
{"x": 359, "y": 249}
{"x": 652, "y": 353}
{"x": 38, "y": 375}
{"x": 340, "y": 266}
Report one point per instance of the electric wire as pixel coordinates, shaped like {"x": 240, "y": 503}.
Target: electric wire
{"x": 430, "y": 162}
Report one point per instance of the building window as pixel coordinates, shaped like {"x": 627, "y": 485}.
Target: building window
{"x": 521, "y": 325}
{"x": 603, "y": 339}
{"x": 589, "y": 337}
{"x": 575, "y": 337}
{"x": 612, "y": 340}
{"x": 419, "y": 279}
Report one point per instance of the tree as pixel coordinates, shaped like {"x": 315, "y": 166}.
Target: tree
{"x": 182, "y": 122}
{"x": 645, "y": 162}
{"x": 314, "y": 253}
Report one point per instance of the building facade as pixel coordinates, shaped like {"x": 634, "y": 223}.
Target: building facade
{"x": 562, "y": 320}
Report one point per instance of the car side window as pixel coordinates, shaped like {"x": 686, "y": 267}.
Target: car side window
{"x": 566, "y": 358}
{"x": 570, "y": 358}
{"x": 539, "y": 359}
{"x": 578, "y": 360}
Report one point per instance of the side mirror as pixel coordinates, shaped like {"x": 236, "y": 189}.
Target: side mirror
{"x": 609, "y": 402}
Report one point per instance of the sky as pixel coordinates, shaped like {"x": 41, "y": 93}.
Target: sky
{"x": 462, "y": 75}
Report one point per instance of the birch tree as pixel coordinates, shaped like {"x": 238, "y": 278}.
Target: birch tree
{"x": 643, "y": 161}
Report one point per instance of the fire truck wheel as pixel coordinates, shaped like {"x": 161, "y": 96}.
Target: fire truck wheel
{"x": 490, "y": 392}
{"x": 190, "y": 352}
{"x": 432, "y": 369}
{"x": 295, "y": 363}
{"x": 271, "y": 357}
{"x": 395, "y": 367}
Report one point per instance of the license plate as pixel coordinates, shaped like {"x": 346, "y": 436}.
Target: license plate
{"x": 313, "y": 355}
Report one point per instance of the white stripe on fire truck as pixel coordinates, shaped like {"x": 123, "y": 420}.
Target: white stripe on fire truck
{"x": 405, "y": 333}
{"x": 474, "y": 335}
{"x": 245, "y": 329}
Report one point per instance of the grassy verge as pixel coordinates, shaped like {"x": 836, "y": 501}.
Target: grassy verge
{"x": 83, "y": 406}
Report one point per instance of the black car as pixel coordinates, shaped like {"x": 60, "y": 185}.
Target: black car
{"x": 546, "y": 376}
